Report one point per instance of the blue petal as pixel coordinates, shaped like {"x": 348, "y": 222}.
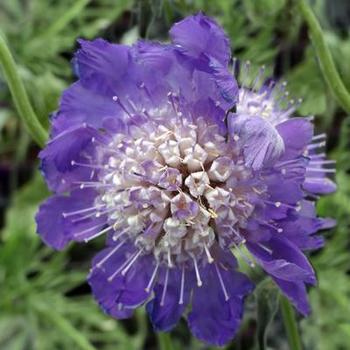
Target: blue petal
{"x": 214, "y": 318}
{"x": 165, "y": 317}
{"x": 55, "y": 229}
{"x": 261, "y": 143}
{"x": 198, "y": 35}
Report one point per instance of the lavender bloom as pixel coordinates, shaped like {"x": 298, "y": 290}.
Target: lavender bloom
{"x": 146, "y": 150}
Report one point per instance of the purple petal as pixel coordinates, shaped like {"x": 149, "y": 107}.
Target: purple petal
{"x": 284, "y": 260}
{"x": 100, "y": 64}
{"x": 319, "y": 185}
{"x": 57, "y": 156}
{"x": 216, "y": 315}
{"x": 288, "y": 267}
{"x": 296, "y": 134}
{"x": 165, "y": 317}
{"x": 80, "y": 105}
{"x": 198, "y": 34}
{"x": 260, "y": 141}
{"x": 296, "y": 292}
{"x": 56, "y": 230}
{"x": 106, "y": 291}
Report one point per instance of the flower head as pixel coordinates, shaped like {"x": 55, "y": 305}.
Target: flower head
{"x": 157, "y": 148}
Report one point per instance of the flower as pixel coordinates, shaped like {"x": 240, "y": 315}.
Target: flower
{"x": 160, "y": 150}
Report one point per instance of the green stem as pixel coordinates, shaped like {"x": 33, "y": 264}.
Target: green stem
{"x": 290, "y": 324}
{"x": 327, "y": 65}
{"x": 164, "y": 341}
{"x": 65, "y": 327}
{"x": 20, "y": 96}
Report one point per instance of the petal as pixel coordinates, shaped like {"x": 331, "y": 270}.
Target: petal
{"x": 198, "y": 34}
{"x": 57, "y": 156}
{"x": 225, "y": 81}
{"x": 215, "y": 317}
{"x": 288, "y": 267}
{"x": 296, "y": 134}
{"x": 284, "y": 260}
{"x": 100, "y": 64}
{"x": 319, "y": 185}
{"x": 296, "y": 292}
{"x": 80, "y": 105}
{"x": 105, "y": 292}
{"x": 284, "y": 190}
{"x": 259, "y": 139}
{"x": 300, "y": 228}
{"x": 133, "y": 292}
{"x": 165, "y": 316}
{"x": 56, "y": 230}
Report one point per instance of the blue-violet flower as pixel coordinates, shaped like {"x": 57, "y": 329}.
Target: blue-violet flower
{"x": 159, "y": 149}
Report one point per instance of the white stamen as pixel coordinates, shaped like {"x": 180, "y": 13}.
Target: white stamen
{"x": 182, "y": 288}
{"x": 223, "y": 287}
{"x": 207, "y": 252}
{"x": 322, "y": 162}
{"x": 102, "y": 261}
{"x": 149, "y": 285}
{"x": 316, "y": 145}
{"x": 165, "y": 287}
{"x": 73, "y": 162}
{"x": 130, "y": 258}
{"x": 88, "y": 230}
{"x": 81, "y": 211}
{"x": 131, "y": 262}
{"x": 170, "y": 263}
{"x": 199, "y": 281}
{"x": 98, "y": 234}
{"x": 321, "y": 170}
{"x": 318, "y": 137}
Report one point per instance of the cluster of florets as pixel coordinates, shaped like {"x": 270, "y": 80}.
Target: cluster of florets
{"x": 158, "y": 148}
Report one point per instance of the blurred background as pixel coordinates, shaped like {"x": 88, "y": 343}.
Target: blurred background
{"x": 45, "y": 303}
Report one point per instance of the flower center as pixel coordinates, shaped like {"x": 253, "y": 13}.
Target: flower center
{"x": 175, "y": 189}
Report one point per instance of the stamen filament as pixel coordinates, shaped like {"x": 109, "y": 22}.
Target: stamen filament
{"x": 165, "y": 287}
{"x": 223, "y": 287}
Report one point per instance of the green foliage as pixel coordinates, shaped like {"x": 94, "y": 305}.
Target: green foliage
{"x": 36, "y": 312}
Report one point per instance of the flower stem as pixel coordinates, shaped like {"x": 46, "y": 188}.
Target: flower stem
{"x": 290, "y": 324}
{"x": 20, "y": 96}
{"x": 164, "y": 341}
{"x": 326, "y": 61}
{"x": 65, "y": 327}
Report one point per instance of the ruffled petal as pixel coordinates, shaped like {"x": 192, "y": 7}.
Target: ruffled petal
{"x": 165, "y": 316}
{"x": 217, "y": 306}
{"x": 300, "y": 229}
{"x": 56, "y": 229}
{"x": 200, "y": 35}
{"x": 80, "y": 105}
{"x": 105, "y": 292}
{"x": 319, "y": 185}
{"x": 287, "y": 266}
{"x": 119, "y": 278}
{"x": 260, "y": 141}
{"x": 57, "y": 156}
{"x": 100, "y": 64}
{"x": 291, "y": 191}
{"x": 296, "y": 292}
{"x": 296, "y": 134}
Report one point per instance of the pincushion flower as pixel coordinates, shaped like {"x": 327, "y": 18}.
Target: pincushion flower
{"x": 160, "y": 150}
